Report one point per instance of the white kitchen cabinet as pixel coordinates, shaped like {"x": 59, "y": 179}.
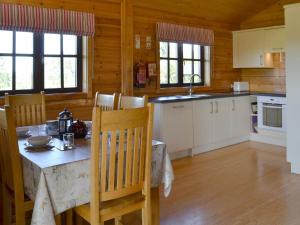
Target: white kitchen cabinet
{"x": 211, "y": 121}
{"x": 203, "y": 113}
{"x": 253, "y": 48}
{"x": 240, "y": 119}
{"x": 202, "y": 125}
{"x": 248, "y": 49}
{"x": 174, "y": 125}
{"x": 274, "y": 39}
{"x": 221, "y": 121}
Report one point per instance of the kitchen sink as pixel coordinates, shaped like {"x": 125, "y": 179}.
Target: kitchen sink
{"x": 198, "y": 95}
{"x": 183, "y": 97}
{"x": 192, "y": 96}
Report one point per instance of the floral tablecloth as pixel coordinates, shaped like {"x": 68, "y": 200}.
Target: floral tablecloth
{"x": 59, "y": 180}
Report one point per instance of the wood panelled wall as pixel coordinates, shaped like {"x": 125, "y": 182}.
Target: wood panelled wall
{"x": 223, "y": 75}
{"x": 268, "y": 80}
{"x": 106, "y": 49}
{"x": 106, "y": 73}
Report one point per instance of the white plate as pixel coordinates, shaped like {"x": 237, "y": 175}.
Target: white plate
{"x": 38, "y": 148}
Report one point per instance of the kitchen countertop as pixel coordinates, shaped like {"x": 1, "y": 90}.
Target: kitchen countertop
{"x": 200, "y": 96}
{"x": 274, "y": 94}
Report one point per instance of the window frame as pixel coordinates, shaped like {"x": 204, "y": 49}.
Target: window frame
{"x": 38, "y": 66}
{"x": 180, "y": 64}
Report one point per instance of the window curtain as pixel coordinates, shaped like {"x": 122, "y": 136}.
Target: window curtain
{"x": 38, "y": 19}
{"x": 179, "y": 33}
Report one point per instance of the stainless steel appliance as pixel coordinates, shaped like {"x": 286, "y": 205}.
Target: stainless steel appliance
{"x": 272, "y": 113}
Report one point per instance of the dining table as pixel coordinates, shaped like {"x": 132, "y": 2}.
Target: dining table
{"x": 58, "y": 180}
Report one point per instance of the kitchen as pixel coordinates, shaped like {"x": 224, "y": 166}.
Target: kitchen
{"x": 214, "y": 120}
{"x": 221, "y": 76}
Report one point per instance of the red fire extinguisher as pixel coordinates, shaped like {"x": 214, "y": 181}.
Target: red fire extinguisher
{"x": 140, "y": 74}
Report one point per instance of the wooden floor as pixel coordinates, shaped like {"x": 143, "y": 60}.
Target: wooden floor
{"x": 245, "y": 184}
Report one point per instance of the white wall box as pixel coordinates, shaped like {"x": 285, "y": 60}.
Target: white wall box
{"x": 253, "y": 48}
{"x": 292, "y": 17}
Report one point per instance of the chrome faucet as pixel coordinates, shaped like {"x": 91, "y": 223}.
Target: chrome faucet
{"x": 191, "y": 82}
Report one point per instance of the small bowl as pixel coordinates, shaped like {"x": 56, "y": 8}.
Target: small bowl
{"x": 39, "y": 140}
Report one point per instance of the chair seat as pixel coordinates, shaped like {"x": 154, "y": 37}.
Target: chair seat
{"x": 114, "y": 208}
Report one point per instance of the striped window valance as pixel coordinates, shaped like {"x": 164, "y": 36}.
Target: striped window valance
{"x": 180, "y": 33}
{"x": 38, "y": 19}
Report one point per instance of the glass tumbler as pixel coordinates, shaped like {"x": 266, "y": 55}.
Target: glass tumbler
{"x": 68, "y": 141}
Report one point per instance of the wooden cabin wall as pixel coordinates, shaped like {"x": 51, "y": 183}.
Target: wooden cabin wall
{"x": 107, "y": 68}
{"x": 106, "y": 76}
{"x": 223, "y": 75}
{"x": 268, "y": 80}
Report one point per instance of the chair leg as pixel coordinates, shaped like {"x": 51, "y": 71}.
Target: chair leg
{"x": 7, "y": 208}
{"x": 78, "y": 220}
{"x": 118, "y": 220}
{"x": 69, "y": 217}
{"x": 144, "y": 216}
{"x": 20, "y": 215}
{"x": 146, "y": 213}
{"x": 58, "y": 220}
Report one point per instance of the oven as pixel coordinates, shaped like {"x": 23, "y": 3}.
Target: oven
{"x": 271, "y": 113}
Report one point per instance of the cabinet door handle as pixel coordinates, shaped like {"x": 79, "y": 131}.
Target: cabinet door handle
{"x": 233, "y": 105}
{"x": 217, "y": 107}
{"x": 178, "y": 106}
{"x": 261, "y": 60}
{"x": 211, "y": 108}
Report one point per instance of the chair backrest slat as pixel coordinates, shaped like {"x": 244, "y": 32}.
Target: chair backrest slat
{"x": 136, "y": 152}
{"x": 142, "y": 154}
{"x": 104, "y": 159}
{"x": 128, "y": 158}
{"x": 130, "y": 102}
{"x": 10, "y": 159}
{"x": 124, "y": 154}
{"x": 29, "y": 109}
{"x": 120, "y": 178}
{"x": 112, "y": 161}
{"x": 106, "y": 102}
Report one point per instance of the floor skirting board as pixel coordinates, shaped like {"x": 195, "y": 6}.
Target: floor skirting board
{"x": 208, "y": 147}
{"x": 220, "y": 144}
{"x": 274, "y": 139}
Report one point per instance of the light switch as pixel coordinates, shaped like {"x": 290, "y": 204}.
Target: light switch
{"x": 137, "y": 41}
{"x": 148, "y": 42}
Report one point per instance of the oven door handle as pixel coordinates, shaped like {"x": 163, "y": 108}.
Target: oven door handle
{"x": 273, "y": 107}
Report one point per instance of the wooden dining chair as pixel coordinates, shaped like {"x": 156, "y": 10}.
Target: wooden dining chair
{"x": 11, "y": 170}
{"x": 28, "y": 109}
{"x": 106, "y": 102}
{"x": 129, "y": 102}
{"x": 121, "y": 184}
{"x": 13, "y": 195}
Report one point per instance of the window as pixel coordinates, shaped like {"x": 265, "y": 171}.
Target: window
{"x": 178, "y": 62}
{"x": 32, "y": 62}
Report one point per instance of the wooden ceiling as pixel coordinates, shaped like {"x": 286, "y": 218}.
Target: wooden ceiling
{"x": 228, "y": 11}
